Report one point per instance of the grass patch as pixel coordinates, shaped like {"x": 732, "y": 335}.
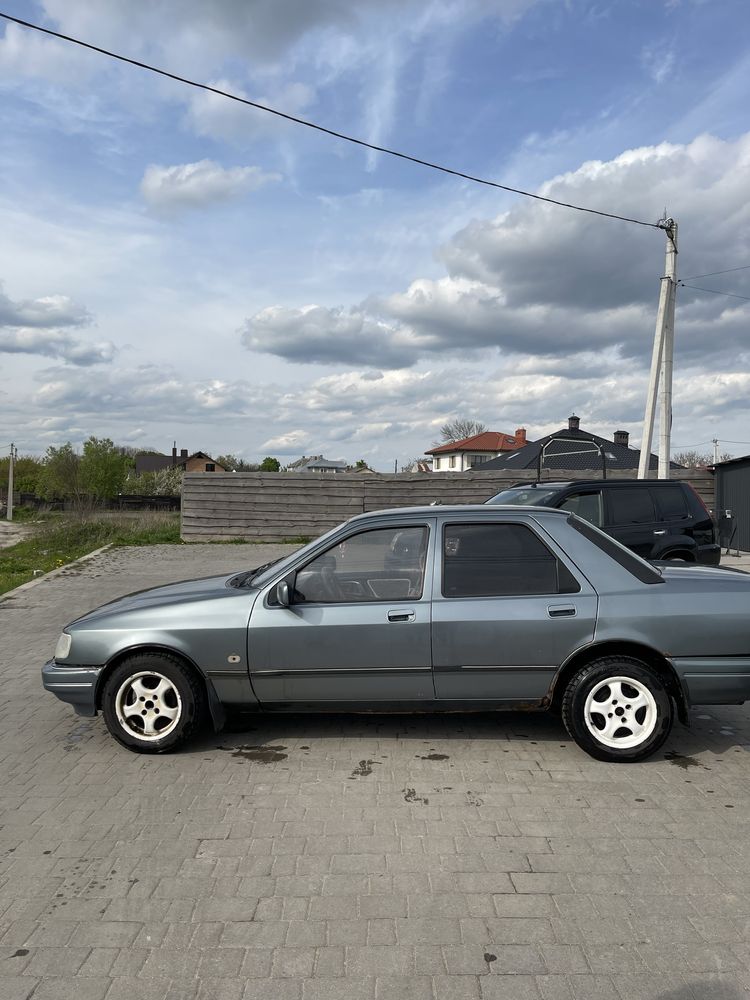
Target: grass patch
{"x": 59, "y": 539}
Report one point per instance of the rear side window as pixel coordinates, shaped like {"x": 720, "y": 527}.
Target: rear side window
{"x": 631, "y": 506}
{"x": 500, "y": 560}
{"x": 629, "y": 561}
{"x": 672, "y": 502}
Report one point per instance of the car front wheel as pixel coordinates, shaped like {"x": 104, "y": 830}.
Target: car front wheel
{"x": 617, "y": 709}
{"x": 152, "y": 703}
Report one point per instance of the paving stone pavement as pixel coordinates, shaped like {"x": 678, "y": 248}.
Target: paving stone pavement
{"x": 386, "y": 858}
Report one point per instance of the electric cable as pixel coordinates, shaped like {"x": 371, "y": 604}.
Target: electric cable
{"x": 714, "y": 291}
{"x": 662, "y": 224}
{"x": 710, "y": 274}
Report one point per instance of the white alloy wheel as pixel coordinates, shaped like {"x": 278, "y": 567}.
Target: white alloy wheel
{"x": 620, "y": 712}
{"x": 148, "y": 705}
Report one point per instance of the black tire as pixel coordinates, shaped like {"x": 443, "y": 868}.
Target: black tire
{"x": 634, "y": 682}
{"x": 173, "y": 700}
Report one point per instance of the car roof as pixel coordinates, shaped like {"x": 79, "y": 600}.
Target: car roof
{"x": 617, "y": 483}
{"x": 464, "y": 509}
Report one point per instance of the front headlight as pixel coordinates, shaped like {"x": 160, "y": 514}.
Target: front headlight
{"x": 62, "y": 649}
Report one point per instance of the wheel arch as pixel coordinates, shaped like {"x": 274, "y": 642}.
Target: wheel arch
{"x": 218, "y": 716}
{"x": 621, "y": 647}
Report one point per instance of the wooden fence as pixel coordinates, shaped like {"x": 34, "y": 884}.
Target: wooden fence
{"x": 274, "y": 506}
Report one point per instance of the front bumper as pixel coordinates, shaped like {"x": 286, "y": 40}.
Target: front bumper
{"x": 72, "y": 684}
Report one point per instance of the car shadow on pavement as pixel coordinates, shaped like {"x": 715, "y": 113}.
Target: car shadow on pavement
{"x": 705, "y": 989}
{"x": 720, "y": 732}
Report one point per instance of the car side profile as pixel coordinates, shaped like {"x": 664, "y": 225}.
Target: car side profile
{"x": 434, "y": 608}
{"x": 656, "y": 518}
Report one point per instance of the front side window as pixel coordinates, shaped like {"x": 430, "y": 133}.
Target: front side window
{"x": 500, "y": 560}
{"x": 586, "y": 505}
{"x": 386, "y": 564}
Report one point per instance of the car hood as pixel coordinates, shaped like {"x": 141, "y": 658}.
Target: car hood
{"x": 184, "y": 592}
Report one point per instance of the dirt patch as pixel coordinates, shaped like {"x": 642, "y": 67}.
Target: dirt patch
{"x": 364, "y": 768}
{"x": 410, "y": 795}
{"x": 434, "y": 756}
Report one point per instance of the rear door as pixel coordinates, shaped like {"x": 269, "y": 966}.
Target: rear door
{"x": 632, "y": 518}
{"x": 508, "y": 609}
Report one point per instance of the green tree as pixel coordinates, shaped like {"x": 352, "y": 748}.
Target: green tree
{"x": 103, "y": 468}
{"x": 233, "y": 464}
{"x": 28, "y": 473}
{"x": 270, "y": 464}
{"x": 61, "y": 476}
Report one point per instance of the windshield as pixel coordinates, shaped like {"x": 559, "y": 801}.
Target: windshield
{"x": 523, "y": 497}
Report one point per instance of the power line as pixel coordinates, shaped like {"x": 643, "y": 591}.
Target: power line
{"x": 714, "y": 291}
{"x": 322, "y": 128}
{"x": 710, "y": 274}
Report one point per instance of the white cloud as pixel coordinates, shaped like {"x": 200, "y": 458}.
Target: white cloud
{"x": 198, "y": 185}
{"x": 291, "y": 443}
{"x": 47, "y": 312}
{"x": 541, "y": 280}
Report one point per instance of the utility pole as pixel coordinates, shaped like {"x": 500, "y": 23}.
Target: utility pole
{"x": 716, "y": 450}
{"x": 9, "y": 514}
{"x": 662, "y": 362}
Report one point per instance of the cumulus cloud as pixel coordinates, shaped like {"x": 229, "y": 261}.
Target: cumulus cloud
{"x": 198, "y": 185}
{"x": 48, "y": 312}
{"x": 42, "y": 326}
{"x": 539, "y": 280}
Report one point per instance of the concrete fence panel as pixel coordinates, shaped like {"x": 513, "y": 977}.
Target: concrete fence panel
{"x": 274, "y": 506}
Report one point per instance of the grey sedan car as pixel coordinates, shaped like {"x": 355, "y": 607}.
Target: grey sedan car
{"x": 470, "y": 608}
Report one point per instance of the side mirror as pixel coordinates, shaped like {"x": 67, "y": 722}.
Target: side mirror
{"x": 282, "y": 594}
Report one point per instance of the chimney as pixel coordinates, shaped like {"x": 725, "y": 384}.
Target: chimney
{"x": 520, "y": 436}
{"x": 174, "y": 453}
{"x": 621, "y": 437}
{"x": 573, "y": 422}
{"x": 183, "y": 453}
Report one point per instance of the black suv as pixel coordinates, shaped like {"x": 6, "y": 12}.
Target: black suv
{"x": 656, "y": 518}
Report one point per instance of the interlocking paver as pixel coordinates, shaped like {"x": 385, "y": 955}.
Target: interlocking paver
{"x": 515, "y": 867}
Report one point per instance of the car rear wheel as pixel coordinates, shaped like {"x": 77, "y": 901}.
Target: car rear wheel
{"x": 617, "y": 709}
{"x": 152, "y": 703}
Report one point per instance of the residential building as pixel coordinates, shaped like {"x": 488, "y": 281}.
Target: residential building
{"x": 471, "y": 452}
{"x": 317, "y": 463}
{"x": 572, "y": 448}
{"x": 199, "y": 461}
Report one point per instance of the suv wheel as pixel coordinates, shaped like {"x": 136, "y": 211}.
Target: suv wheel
{"x": 152, "y": 703}
{"x": 617, "y": 709}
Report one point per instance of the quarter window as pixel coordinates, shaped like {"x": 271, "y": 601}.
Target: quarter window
{"x": 386, "y": 564}
{"x": 499, "y": 560}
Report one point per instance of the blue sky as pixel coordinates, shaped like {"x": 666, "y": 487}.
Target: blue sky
{"x": 178, "y": 267}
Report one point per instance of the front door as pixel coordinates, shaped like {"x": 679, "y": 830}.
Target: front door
{"x": 508, "y": 609}
{"x": 358, "y": 626}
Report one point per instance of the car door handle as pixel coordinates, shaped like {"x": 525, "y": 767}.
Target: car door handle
{"x": 661, "y": 531}
{"x": 561, "y": 611}
{"x": 401, "y": 616}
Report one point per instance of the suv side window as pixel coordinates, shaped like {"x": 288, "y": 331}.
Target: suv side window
{"x": 588, "y": 505}
{"x": 631, "y": 506}
{"x": 385, "y": 564}
{"x": 671, "y": 502}
{"x": 500, "y": 560}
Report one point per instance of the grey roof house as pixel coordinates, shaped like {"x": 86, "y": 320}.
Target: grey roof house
{"x": 316, "y": 464}
{"x": 572, "y": 448}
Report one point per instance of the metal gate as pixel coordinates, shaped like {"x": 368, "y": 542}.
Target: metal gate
{"x": 733, "y": 494}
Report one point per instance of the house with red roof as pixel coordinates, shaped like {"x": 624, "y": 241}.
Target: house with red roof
{"x": 458, "y": 456}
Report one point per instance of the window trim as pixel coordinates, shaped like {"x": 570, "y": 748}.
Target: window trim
{"x": 500, "y": 597}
